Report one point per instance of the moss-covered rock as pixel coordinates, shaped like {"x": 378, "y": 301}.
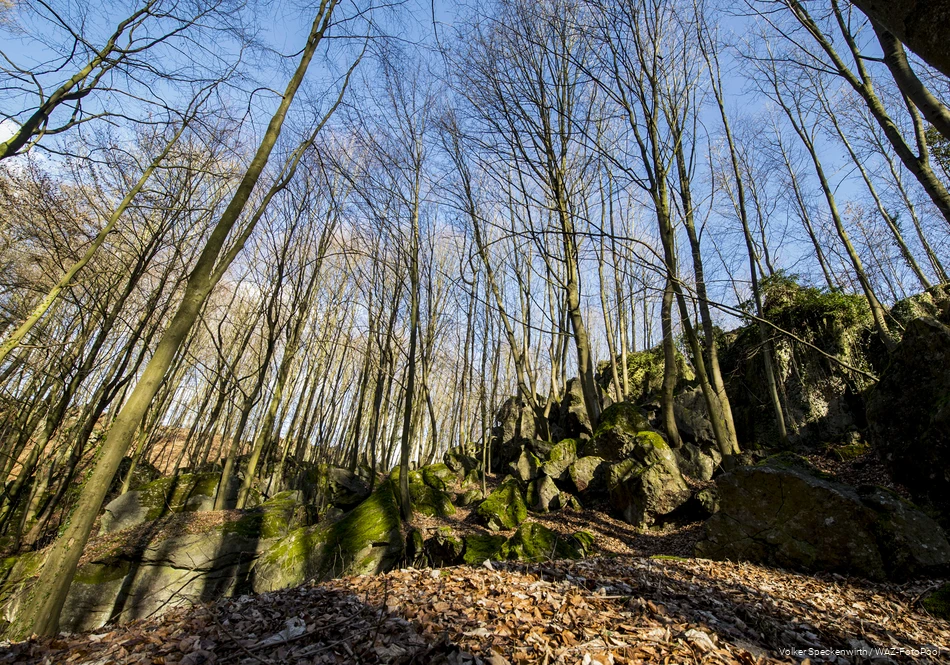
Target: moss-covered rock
{"x": 444, "y": 548}
{"x": 562, "y": 455}
{"x": 439, "y": 477}
{"x": 616, "y": 435}
{"x": 165, "y": 496}
{"x": 431, "y": 502}
{"x": 589, "y": 475}
{"x": 535, "y": 542}
{"x": 504, "y": 508}
{"x": 275, "y": 518}
{"x": 526, "y": 467}
{"x": 368, "y": 539}
{"x": 468, "y": 497}
{"x": 479, "y": 549}
{"x": 908, "y": 414}
{"x": 644, "y": 373}
{"x": 647, "y": 484}
{"x": 460, "y": 461}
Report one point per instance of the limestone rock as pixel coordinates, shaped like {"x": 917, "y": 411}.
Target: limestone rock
{"x": 543, "y": 495}
{"x": 698, "y": 462}
{"x": 783, "y": 516}
{"x": 368, "y": 539}
{"x": 526, "y": 467}
{"x": 908, "y": 414}
{"x": 504, "y": 508}
{"x": 589, "y": 475}
{"x": 617, "y": 432}
{"x": 562, "y": 455}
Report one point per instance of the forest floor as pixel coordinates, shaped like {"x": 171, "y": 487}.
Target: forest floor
{"x": 641, "y": 599}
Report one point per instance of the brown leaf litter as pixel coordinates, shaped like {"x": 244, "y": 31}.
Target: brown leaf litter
{"x": 621, "y": 609}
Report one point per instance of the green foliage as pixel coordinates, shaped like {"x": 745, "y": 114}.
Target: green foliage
{"x": 939, "y": 147}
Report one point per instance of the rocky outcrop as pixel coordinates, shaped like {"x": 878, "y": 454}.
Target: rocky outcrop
{"x": 588, "y": 475}
{"x": 699, "y": 462}
{"x": 692, "y": 418}
{"x": 909, "y": 414}
{"x": 648, "y": 486}
{"x": 780, "y": 514}
{"x": 531, "y": 542}
{"x": 157, "y": 571}
{"x": 543, "y": 495}
{"x": 617, "y": 432}
{"x": 526, "y": 467}
{"x": 190, "y": 492}
{"x": 368, "y": 539}
{"x": 559, "y": 459}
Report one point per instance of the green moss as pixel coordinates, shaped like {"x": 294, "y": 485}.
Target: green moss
{"x": 171, "y": 494}
{"x": 100, "y": 573}
{"x": 851, "y": 451}
{"x": 431, "y": 502}
{"x": 667, "y": 557}
{"x": 481, "y": 548}
{"x": 566, "y": 449}
{"x": 644, "y": 372}
{"x": 938, "y": 602}
{"x": 439, "y": 476}
{"x": 623, "y": 416}
{"x": 535, "y": 542}
{"x": 274, "y": 518}
{"x": 504, "y": 508}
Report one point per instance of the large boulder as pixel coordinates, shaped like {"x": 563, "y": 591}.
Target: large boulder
{"x": 908, "y": 414}
{"x": 588, "y": 475}
{"x": 190, "y": 492}
{"x": 460, "y": 461}
{"x": 573, "y": 417}
{"x": 543, "y": 495}
{"x": 617, "y": 433}
{"x": 166, "y": 567}
{"x": 366, "y": 540}
{"x": 692, "y": 418}
{"x": 536, "y": 542}
{"x": 781, "y": 514}
{"x": 647, "y": 485}
{"x": 560, "y": 458}
{"x": 698, "y": 462}
{"x": 504, "y": 508}
{"x": 644, "y": 374}
{"x": 427, "y": 490}
{"x": 526, "y": 467}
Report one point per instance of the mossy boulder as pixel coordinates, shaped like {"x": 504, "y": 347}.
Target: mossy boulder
{"x": 165, "y": 496}
{"x": 699, "y": 462}
{"x": 908, "y": 414}
{"x": 616, "y": 435}
{"x": 562, "y": 455}
{"x": 444, "y": 548}
{"x": 275, "y": 518}
{"x": 368, "y": 539}
{"x": 459, "y": 461}
{"x": 644, "y": 373}
{"x": 526, "y": 467}
{"x": 479, "y": 548}
{"x": 535, "y": 542}
{"x": 429, "y": 501}
{"x": 504, "y": 508}
{"x": 640, "y": 494}
{"x": 783, "y": 516}
{"x": 468, "y": 497}
{"x": 439, "y": 477}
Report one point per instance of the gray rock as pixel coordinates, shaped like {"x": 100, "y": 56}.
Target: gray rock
{"x": 543, "y": 495}
{"x": 560, "y": 458}
{"x": 526, "y": 467}
{"x": 780, "y": 515}
{"x": 692, "y": 418}
{"x": 589, "y": 475}
{"x": 908, "y": 414}
{"x": 698, "y": 462}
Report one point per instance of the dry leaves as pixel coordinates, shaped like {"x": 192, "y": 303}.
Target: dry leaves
{"x": 603, "y": 610}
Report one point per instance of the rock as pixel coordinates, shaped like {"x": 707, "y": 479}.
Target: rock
{"x": 908, "y": 414}
{"x": 526, "y": 467}
{"x": 460, "y": 462}
{"x": 343, "y": 488}
{"x": 573, "y": 416}
{"x": 444, "y": 548}
{"x": 589, "y": 475}
{"x": 560, "y": 458}
{"x": 439, "y": 476}
{"x": 504, "y": 508}
{"x": 473, "y": 478}
{"x": 425, "y": 498}
{"x": 708, "y": 500}
{"x": 540, "y": 447}
{"x": 415, "y": 549}
{"x": 543, "y": 495}
{"x": 644, "y": 373}
{"x": 933, "y": 303}
{"x": 643, "y": 490}
{"x": 781, "y": 515}
{"x": 175, "y": 494}
{"x": 535, "y": 542}
{"x": 698, "y": 462}
{"x": 469, "y": 497}
{"x": 692, "y": 418}
{"x": 483, "y": 548}
{"x": 504, "y": 453}
{"x": 135, "y": 580}
{"x": 616, "y": 434}
{"x": 366, "y": 540}
{"x": 517, "y": 424}
{"x": 938, "y": 602}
